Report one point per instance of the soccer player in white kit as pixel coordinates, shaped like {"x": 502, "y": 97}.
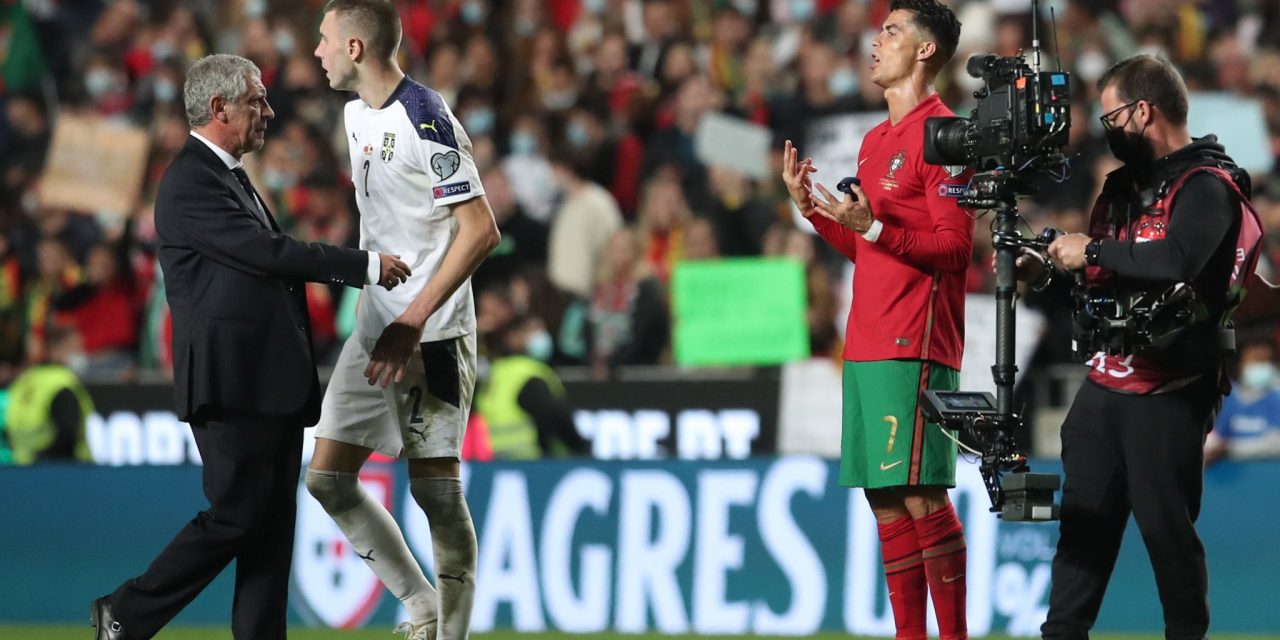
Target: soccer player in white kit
{"x": 404, "y": 381}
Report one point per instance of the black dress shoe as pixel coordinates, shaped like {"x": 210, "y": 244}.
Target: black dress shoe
{"x": 104, "y": 621}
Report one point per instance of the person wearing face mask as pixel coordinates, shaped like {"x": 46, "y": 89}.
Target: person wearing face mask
{"x": 585, "y": 133}
{"x": 479, "y": 120}
{"x": 49, "y": 406}
{"x": 1248, "y": 427}
{"x": 107, "y": 88}
{"x": 523, "y": 401}
{"x": 1132, "y": 442}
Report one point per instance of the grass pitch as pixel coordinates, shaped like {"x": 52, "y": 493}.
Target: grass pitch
{"x": 214, "y": 633}
{"x": 85, "y": 632}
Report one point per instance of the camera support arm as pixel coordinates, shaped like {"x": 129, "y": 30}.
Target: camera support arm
{"x": 991, "y": 425}
{"x": 1004, "y": 370}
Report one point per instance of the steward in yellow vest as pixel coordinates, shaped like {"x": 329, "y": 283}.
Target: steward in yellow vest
{"x": 523, "y": 401}
{"x": 49, "y": 408}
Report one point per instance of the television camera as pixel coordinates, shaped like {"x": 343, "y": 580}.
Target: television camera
{"x": 1018, "y": 130}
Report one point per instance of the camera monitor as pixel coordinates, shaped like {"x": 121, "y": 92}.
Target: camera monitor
{"x": 953, "y": 406}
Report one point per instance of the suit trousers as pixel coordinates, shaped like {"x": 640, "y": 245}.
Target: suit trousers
{"x": 1139, "y": 454}
{"x": 251, "y": 467}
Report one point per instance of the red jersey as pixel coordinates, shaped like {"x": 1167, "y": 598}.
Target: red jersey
{"x": 909, "y": 286}
{"x": 1140, "y": 374}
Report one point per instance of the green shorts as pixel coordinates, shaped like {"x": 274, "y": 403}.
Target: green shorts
{"x": 886, "y": 441}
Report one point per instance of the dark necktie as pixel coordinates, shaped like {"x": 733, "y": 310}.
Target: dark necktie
{"x": 253, "y": 195}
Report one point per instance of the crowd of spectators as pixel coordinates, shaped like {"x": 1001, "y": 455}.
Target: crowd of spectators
{"x": 582, "y": 114}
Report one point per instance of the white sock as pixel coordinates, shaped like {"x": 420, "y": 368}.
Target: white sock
{"x": 376, "y": 538}
{"x": 453, "y": 537}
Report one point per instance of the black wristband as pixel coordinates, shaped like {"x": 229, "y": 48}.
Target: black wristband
{"x": 1091, "y": 252}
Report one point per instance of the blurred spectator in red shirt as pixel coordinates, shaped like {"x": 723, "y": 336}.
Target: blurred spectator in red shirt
{"x": 105, "y": 309}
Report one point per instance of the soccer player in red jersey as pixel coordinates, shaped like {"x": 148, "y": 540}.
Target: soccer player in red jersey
{"x": 911, "y": 242}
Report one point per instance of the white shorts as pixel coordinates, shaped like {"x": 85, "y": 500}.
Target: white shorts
{"x": 424, "y": 416}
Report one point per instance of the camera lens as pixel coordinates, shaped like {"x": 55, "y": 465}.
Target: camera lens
{"x": 977, "y": 65}
{"x": 944, "y": 140}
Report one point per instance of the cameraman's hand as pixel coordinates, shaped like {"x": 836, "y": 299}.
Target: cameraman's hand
{"x": 1030, "y": 266}
{"x": 852, "y": 213}
{"x": 796, "y": 176}
{"x": 1068, "y": 250}
{"x": 393, "y": 271}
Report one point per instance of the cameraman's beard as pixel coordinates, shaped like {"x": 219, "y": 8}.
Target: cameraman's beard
{"x": 1133, "y": 149}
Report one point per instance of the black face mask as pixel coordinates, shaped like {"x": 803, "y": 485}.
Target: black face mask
{"x": 1133, "y": 149}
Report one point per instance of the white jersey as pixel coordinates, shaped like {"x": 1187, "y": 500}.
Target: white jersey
{"x": 410, "y": 162}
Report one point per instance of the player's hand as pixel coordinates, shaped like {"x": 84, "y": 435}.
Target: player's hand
{"x": 852, "y": 211}
{"x": 1030, "y": 266}
{"x": 795, "y": 174}
{"x": 393, "y": 271}
{"x": 391, "y": 353}
{"x": 1068, "y": 250}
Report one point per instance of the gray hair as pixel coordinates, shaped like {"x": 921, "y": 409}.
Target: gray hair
{"x": 220, "y": 74}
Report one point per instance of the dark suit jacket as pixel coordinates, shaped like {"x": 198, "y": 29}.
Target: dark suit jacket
{"x": 241, "y": 334}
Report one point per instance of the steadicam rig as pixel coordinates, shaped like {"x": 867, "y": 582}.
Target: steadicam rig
{"x": 1018, "y": 130}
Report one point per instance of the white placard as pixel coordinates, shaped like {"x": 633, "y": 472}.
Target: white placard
{"x": 1239, "y": 124}
{"x": 734, "y": 143}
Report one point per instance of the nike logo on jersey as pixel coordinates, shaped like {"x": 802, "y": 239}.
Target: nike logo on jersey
{"x": 368, "y": 558}
{"x": 862, "y": 161}
{"x": 952, "y": 578}
{"x": 431, "y": 127}
{"x": 886, "y": 467}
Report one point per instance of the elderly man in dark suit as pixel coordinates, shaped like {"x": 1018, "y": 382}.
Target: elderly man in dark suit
{"x": 244, "y": 377}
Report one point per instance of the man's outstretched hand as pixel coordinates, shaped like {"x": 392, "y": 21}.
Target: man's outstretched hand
{"x": 795, "y": 174}
{"x": 393, "y": 271}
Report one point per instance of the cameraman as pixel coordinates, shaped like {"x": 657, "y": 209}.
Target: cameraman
{"x": 911, "y": 242}
{"x": 1133, "y": 438}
